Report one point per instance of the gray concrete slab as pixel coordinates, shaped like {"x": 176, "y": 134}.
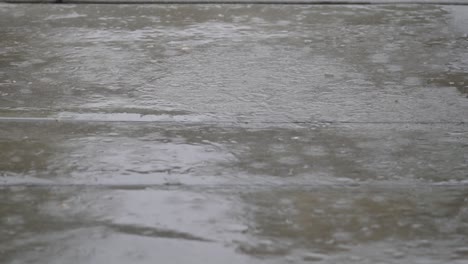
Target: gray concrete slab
{"x": 233, "y": 225}
{"x": 148, "y": 154}
{"x": 387, "y": 64}
{"x": 233, "y": 134}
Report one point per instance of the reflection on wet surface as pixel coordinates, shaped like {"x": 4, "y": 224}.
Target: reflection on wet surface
{"x": 333, "y": 225}
{"x": 233, "y": 134}
{"x": 128, "y": 153}
{"x": 253, "y": 194}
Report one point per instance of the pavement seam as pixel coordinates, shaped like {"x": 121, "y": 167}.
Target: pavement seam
{"x": 236, "y": 2}
{"x": 70, "y": 120}
{"x": 246, "y": 186}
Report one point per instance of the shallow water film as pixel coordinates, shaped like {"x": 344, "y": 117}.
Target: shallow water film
{"x": 233, "y": 134}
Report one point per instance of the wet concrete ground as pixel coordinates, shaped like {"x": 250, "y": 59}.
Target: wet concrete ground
{"x": 233, "y": 134}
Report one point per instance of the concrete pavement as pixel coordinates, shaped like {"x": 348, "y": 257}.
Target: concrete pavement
{"x": 233, "y": 134}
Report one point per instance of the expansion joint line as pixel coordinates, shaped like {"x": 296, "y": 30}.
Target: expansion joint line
{"x": 241, "y": 2}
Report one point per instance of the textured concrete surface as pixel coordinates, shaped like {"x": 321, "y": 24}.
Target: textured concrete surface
{"x": 233, "y": 134}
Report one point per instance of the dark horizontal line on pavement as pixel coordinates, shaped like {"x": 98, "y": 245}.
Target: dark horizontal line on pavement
{"x": 221, "y": 122}
{"x": 246, "y": 186}
{"x": 255, "y": 2}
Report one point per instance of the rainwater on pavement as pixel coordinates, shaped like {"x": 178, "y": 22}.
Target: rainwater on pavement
{"x": 233, "y": 134}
